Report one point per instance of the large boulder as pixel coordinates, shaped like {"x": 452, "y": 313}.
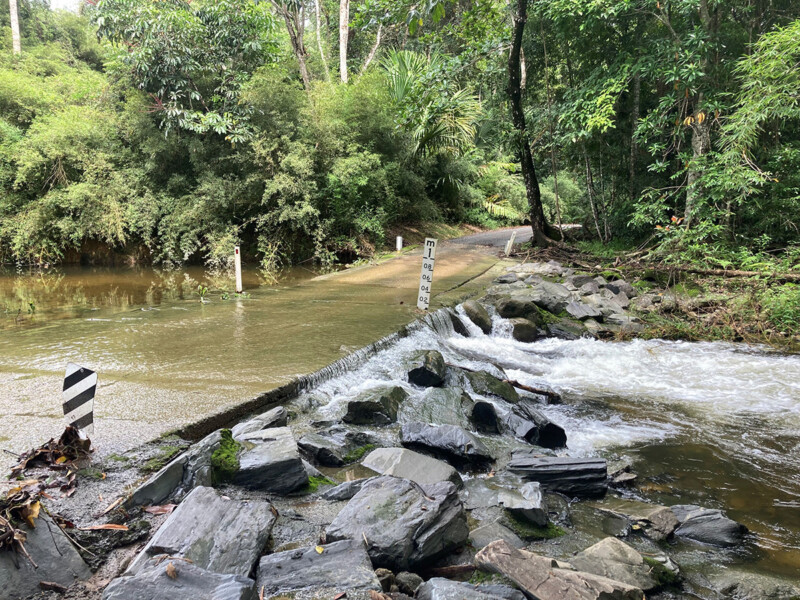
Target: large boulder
{"x": 427, "y": 369}
{"x": 405, "y": 524}
{"x": 447, "y": 442}
{"x": 484, "y": 417}
{"x": 179, "y": 580}
{"x": 376, "y": 407}
{"x": 572, "y": 476}
{"x": 276, "y": 417}
{"x": 708, "y": 526}
{"x": 526, "y": 422}
{"x": 343, "y": 565}
{"x": 485, "y": 384}
{"x": 214, "y": 532}
{"x": 616, "y": 560}
{"x": 581, "y": 311}
{"x": 524, "y": 330}
{"x": 271, "y": 462}
{"x": 335, "y": 447}
{"x": 345, "y": 491}
{"x": 546, "y": 579}
{"x": 510, "y": 307}
{"x": 417, "y": 467}
{"x": 553, "y": 297}
{"x": 439, "y": 588}
{"x": 56, "y": 558}
{"x": 440, "y": 406}
{"x": 478, "y": 315}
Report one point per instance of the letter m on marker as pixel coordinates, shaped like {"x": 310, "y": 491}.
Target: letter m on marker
{"x": 80, "y": 385}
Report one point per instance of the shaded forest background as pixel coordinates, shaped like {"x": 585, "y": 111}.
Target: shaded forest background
{"x": 171, "y": 131}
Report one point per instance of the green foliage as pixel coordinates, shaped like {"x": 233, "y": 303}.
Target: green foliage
{"x": 528, "y": 531}
{"x": 225, "y": 459}
{"x": 781, "y": 306}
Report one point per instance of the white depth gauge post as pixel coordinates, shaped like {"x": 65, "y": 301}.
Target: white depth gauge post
{"x": 237, "y": 264}
{"x": 426, "y": 278}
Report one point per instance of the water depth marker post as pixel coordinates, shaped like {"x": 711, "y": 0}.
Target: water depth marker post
{"x": 426, "y": 278}
{"x": 510, "y": 244}
{"x": 80, "y": 384}
{"x": 237, "y": 261}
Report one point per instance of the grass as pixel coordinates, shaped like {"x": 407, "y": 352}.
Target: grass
{"x": 528, "y": 531}
{"x": 661, "y": 574}
{"x": 357, "y": 453}
{"x": 225, "y": 460}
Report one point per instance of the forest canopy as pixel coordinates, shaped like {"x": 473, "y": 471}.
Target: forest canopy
{"x": 169, "y": 131}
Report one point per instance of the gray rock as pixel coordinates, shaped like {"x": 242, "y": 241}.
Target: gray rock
{"x": 616, "y": 560}
{"x": 405, "y": 524}
{"x": 506, "y": 278}
{"x": 512, "y": 307}
{"x": 546, "y": 579}
{"x": 527, "y": 504}
{"x": 572, "y": 476}
{"x": 486, "y": 534}
{"x": 708, "y": 526}
{"x": 484, "y": 416}
{"x": 276, "y": 417}
{"x": 191, "y": 582}
{"x": 439, "y": 588}
{"x": 742, "y": 585}
{"x": 566, "y": 329}
{"x": 524, "y": 330}
{"x": 346, "y": 490}
{"x": 447, "y": 442}
{"x": 57, "y": 559}
{"x": 553, "y": 297}
{"x": 582, "y": 311}
{"x": 626, "y": 323}
{"x": 478, "y": 315}
{"x": 657, "y": 522}
{"x": 600, "y": 280}
{"x": 386, "y": 579}
{"x": 458, "y": 324}
{"x": 606, "y": 306}
{"x": 408, "y": 464}
{"x": 526, "y": 422}
{"x": 271, "y": 462}
{"x": 441, "y": 406}
{"x": 344, "y": 565}
{"x": 216, "y": 533}
{"x": 376, "y": 407}
{"x": 331, "y": 448}
{"x": 408, "y": 583}
{"x": 589, "y": 288}
{"x": 488, "y": 385}
{"x": 579, "y": 280}
{"x": 427, "y": 369}
{"x": 623, "y": 286}
{"x": 551, "y": 267}
{"x": 311, "y": 470}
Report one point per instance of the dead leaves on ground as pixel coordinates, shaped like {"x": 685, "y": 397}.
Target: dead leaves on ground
{"x": 71, "y": 448}
{"x": 164, "y": 509}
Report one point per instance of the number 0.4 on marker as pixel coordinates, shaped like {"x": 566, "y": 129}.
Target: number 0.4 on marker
{"x": 426, "y": 278}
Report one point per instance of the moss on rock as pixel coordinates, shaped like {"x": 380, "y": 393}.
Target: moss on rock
{"x": 225, "y": 460}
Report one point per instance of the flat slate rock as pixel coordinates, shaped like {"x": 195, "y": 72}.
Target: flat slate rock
{"x": 331, "y": 448}
{"x": 439, "y": 588}
{"x": 572, "y": 476}
{"x": 448, "y": 442}
{"x": 487, "y": 384}
{"x": 616, "y": 560}
{"x": 376, "y": 407}
{"x": 405, "y": 524}
{"x": 527, "y": 422}
{"x": 57, "y": 559}
{"x": 408, "y": 464}
{"x": 344, "y": 565}
{"x": 708, "y": 526}
{"x": 190, "y": 583}
{"x": 527, "y": 503}
{"x": 345, "y": 491}
{"x": 276, "y": 417}
{"x": 657, "y": 522}
{"x": 581, "y": 311}
{"x": 271, "y": 462}
{"x": 491, "y": 532}
{"x": 214, "y": 532}
{"x": 545, "y": 579}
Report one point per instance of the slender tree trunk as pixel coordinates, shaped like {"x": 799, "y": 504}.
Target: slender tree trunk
{"x": 374, "y": 49}
{"x": 523, "y": 80}
{"x": 344, "y": 32}
{"x": 590, "y": 191}
{"x": 15, "y": 37}
{"x": 538, "y": 222}
{"x": 637, "y": 94}
{"x": 319, "y": 42}
{"x": 295, "y": 27}
{"x": 553, "y": 163}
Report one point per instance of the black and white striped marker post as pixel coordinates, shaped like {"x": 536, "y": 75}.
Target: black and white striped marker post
{"x": 80, "y": 384}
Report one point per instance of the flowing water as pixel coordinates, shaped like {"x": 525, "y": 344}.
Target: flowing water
{"x": 712, "y": 424}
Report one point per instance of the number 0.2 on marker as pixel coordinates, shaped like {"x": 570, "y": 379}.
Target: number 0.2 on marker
{"x": 426, "y": 278}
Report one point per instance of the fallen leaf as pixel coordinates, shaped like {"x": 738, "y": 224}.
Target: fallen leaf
{"x": 31, "y": 512}
{"x": 164, "y": 509}
{"x": 61, "y": 460}
{"x": 112, "y": 526}
{"x": 261, "y": 593}
{"x": 112, "y": 506}
{"x": 319, "y": 549}
{"x": 172, "y": 572}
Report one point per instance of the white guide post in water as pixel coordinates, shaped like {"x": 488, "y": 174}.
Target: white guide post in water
{"x": 237, "y": 261}
{"x": 426, "y": 278}
{"x": 399, "y": 243}
{"x": 510, "y": 244}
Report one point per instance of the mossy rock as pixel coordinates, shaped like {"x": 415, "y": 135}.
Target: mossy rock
{"x": 489, "y": 385}
{"x": 530, "y": 532}
{"x": 314, "y": 482}
{"x": 225, "y": 460}
{"x": 663, "y": 576}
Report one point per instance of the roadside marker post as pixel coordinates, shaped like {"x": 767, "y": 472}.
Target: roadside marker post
{"x": 399, "y": 243}
{"x": 510, "y": 244}
{"x": 237, "y": 261}
{"x": 426, "y": 278}
{"x": 80, "y": 385}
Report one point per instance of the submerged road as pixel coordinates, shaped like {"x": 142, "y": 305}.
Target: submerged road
{"x": 165, "y": 366}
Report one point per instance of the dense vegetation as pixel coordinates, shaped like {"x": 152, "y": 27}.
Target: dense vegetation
{"x": 170, "y": 131}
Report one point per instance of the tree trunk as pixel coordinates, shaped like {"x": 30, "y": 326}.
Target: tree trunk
{"x": 637, "y": 94}
{"x": 590, "y": 192}
{"x": 295, "y": 27}
{"x": 344, "y": 32}
{"x": 701, "y": 145}
{"x": 538, "y": 222}
{"x": 15, "y": 37}
{"x": 553, "y": 163}
{"x": 319, "y": 42}
{"x": 374, "y": 49}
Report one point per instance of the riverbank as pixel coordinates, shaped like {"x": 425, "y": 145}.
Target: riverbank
{"x": 621, "y": 403}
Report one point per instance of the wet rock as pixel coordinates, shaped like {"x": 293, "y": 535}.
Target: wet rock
{"x": 742, "y": 585}
{"x": 616, "y": 560}
{"x": 311, "y": 470}
{"x": 439, "y": 588}
{"x": 526, "y": 422}
{"x": 385, "y": 578}
{"x": 405, "y": 524}
{"x": 524, "y": 330}
{"x": 708, "y": 526}
{"x": 488, "y": 385}
{"x": 512, "y": 307}
{"x": 408, "y": 464}
{"x": 346, "y": 490}
{"x": 657, "y": 522}
{"x": 440, "y": 406}
{"x": 344, "y": 565}
{"x": 57, "y": 559}
{"x": 408, "y": 583}
{"x": 376, "y": 407}
{"x": 526, "y": 504}
{"x": 484, "y": 416}
{"x": 478, "y": 315}
{"x": 572, "y": 476}
{"x": 446, "y": 442}
{"x": 458, "y": 324}
{"x": 427, "y": 369}
{"x": 581, "y": 311}
{"x": 486, "y": 534}
{"x": 566, "y": 329}
{"x": 214, "y": 532}
{"x": 271, "y": 462}
{"x": 190, "y": 582}
{"x": 277, "y": 417}
{"x": 333, "y": 448}
{"x": 546, "y": 579}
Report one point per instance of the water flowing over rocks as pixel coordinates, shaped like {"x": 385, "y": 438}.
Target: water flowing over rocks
{"x": 478, "y": 315}
{"x": 405, "y": 524}
{"x": 427, "y": 369}
{"x": 377, "y": 407}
